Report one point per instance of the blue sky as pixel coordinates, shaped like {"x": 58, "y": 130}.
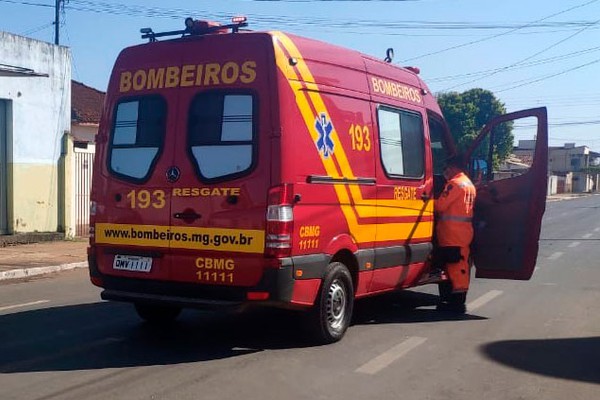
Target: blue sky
{"x": 528, "y": 52}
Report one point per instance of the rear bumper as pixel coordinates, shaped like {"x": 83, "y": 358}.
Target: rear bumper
{"x": 177, "y": 301}
{"x": 278, "y": 283}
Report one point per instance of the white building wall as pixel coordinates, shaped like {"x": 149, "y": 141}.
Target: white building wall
{"x": 41, "y": 114}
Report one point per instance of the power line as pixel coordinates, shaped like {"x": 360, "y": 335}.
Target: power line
{"x": 571, "y": 123}
{"x": 501, "y": 34}
{"x": 36, "y": 29}
{"x": 523, "y": 60}
{"x": 27, "y": 3}
{"x": 550, "y": 76}
{"x": 524, "y": 65}
{"x": 137, "y": 10}
{"x": 318, "y": 1}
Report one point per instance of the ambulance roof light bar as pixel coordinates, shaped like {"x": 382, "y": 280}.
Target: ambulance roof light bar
{"x": 197, "y": 28}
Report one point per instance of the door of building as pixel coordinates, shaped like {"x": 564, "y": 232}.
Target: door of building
{"x": 3, "y": 167}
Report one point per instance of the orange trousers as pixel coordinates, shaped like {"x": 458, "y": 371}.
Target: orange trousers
{"x": 459, "y": 272}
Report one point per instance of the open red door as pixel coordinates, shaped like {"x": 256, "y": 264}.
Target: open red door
{"x": 511, "y": 194}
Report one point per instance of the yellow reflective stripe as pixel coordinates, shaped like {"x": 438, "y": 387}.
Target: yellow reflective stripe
{"x": 362, "y": 233}
{"x": 392, "y": 208}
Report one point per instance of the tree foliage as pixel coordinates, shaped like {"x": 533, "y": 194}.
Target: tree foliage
{"x": 466, "y": 113}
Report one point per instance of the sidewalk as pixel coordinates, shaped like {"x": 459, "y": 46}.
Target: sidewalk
{"x": 22, "y": 261}
{"x": 568, "y": 196}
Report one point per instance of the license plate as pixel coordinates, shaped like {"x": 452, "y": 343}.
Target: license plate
{"x": 132, "y": 263}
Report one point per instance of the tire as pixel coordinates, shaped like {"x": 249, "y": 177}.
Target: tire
{"x": 157, "y": 314}
{"x": 331, "y": 315}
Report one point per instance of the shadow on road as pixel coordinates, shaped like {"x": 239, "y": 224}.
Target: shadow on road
{"x": 403, "y": 307}
{"x": 573, "y": 358}
{"x": 110, "y": 335}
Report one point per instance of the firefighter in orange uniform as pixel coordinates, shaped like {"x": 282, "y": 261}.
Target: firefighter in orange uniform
{"x": 454, "y": 233}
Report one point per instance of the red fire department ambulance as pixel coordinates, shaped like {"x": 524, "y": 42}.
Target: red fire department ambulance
{"x": 236, "y": 167}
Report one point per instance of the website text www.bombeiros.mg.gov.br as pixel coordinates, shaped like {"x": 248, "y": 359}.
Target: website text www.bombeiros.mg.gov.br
{"x": 218, "y": 239}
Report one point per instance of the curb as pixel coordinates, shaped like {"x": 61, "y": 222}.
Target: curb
{"x": 27, "y": 272}
{"x": 554, "y": 198}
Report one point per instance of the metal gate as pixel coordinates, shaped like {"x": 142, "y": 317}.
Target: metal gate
{"x": 84, "y": 164}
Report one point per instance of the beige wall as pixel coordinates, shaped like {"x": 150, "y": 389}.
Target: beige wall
{"x": 35, "y": 194}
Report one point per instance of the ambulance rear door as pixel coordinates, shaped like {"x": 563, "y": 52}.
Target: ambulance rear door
{"x": 136, "y": 149}
{"x": 511, "y": 194}
{"x": 222, "y": 156}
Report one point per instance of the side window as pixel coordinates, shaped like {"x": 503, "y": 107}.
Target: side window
{"x": 221, "y": 134}
{"x": 401, "y": 138}
{"x": 439, "y": 147}
{"x": 137, "y": 136}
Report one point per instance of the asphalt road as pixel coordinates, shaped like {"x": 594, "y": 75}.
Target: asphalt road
{"x": 520, "y": 340}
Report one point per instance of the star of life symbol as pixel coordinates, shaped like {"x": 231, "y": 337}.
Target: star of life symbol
{"x": 324, "y": 129}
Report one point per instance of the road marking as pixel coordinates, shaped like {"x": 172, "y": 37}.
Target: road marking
{"x": 482, "y": 300}
{"x": 587, "y": 235}
{"x": 574, "y": 244}
{"x": 383, "y": 360}
{"x": 33, "y": 303}
{"x": 556, "y": 255}
{"x": 597, "y": 230}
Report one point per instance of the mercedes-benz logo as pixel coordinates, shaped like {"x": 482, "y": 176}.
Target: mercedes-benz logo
{"x": 173, "y": 174}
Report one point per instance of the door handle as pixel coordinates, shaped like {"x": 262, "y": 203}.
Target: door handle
{"x": 425, "y": 196}
{"x": 187, "y": 216}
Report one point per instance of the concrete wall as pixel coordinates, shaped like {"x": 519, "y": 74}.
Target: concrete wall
{"x": 40, "y": 116}
{"x": 559, "y": 159}
{"x": 552, "y": 185}
{"x": 582, "y": 182}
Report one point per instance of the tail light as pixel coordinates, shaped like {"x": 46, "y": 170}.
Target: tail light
{"x": 280, "y": 221}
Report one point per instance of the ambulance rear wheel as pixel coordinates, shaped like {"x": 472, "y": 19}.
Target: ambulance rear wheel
{"x": 157, "y": 314}
{"x": 332, "y": 312}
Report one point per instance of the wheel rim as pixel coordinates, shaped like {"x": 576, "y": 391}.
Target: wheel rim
{"x": 336, "y": 304}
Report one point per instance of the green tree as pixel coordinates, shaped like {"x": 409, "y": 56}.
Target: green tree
{"x": 467, "y": 112}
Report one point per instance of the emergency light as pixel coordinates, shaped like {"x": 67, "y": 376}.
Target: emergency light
{"x": 198, "y": 27}
{"x": 240, "y": 19}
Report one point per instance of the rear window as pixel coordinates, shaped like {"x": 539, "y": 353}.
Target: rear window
{"x": 137, "y": 136}
{"x": 222, "y": 134}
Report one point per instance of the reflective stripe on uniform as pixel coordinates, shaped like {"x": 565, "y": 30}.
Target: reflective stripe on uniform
{"x": 454, "y": 218}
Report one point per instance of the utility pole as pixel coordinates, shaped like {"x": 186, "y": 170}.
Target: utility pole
{"x": 57, "y": 5}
